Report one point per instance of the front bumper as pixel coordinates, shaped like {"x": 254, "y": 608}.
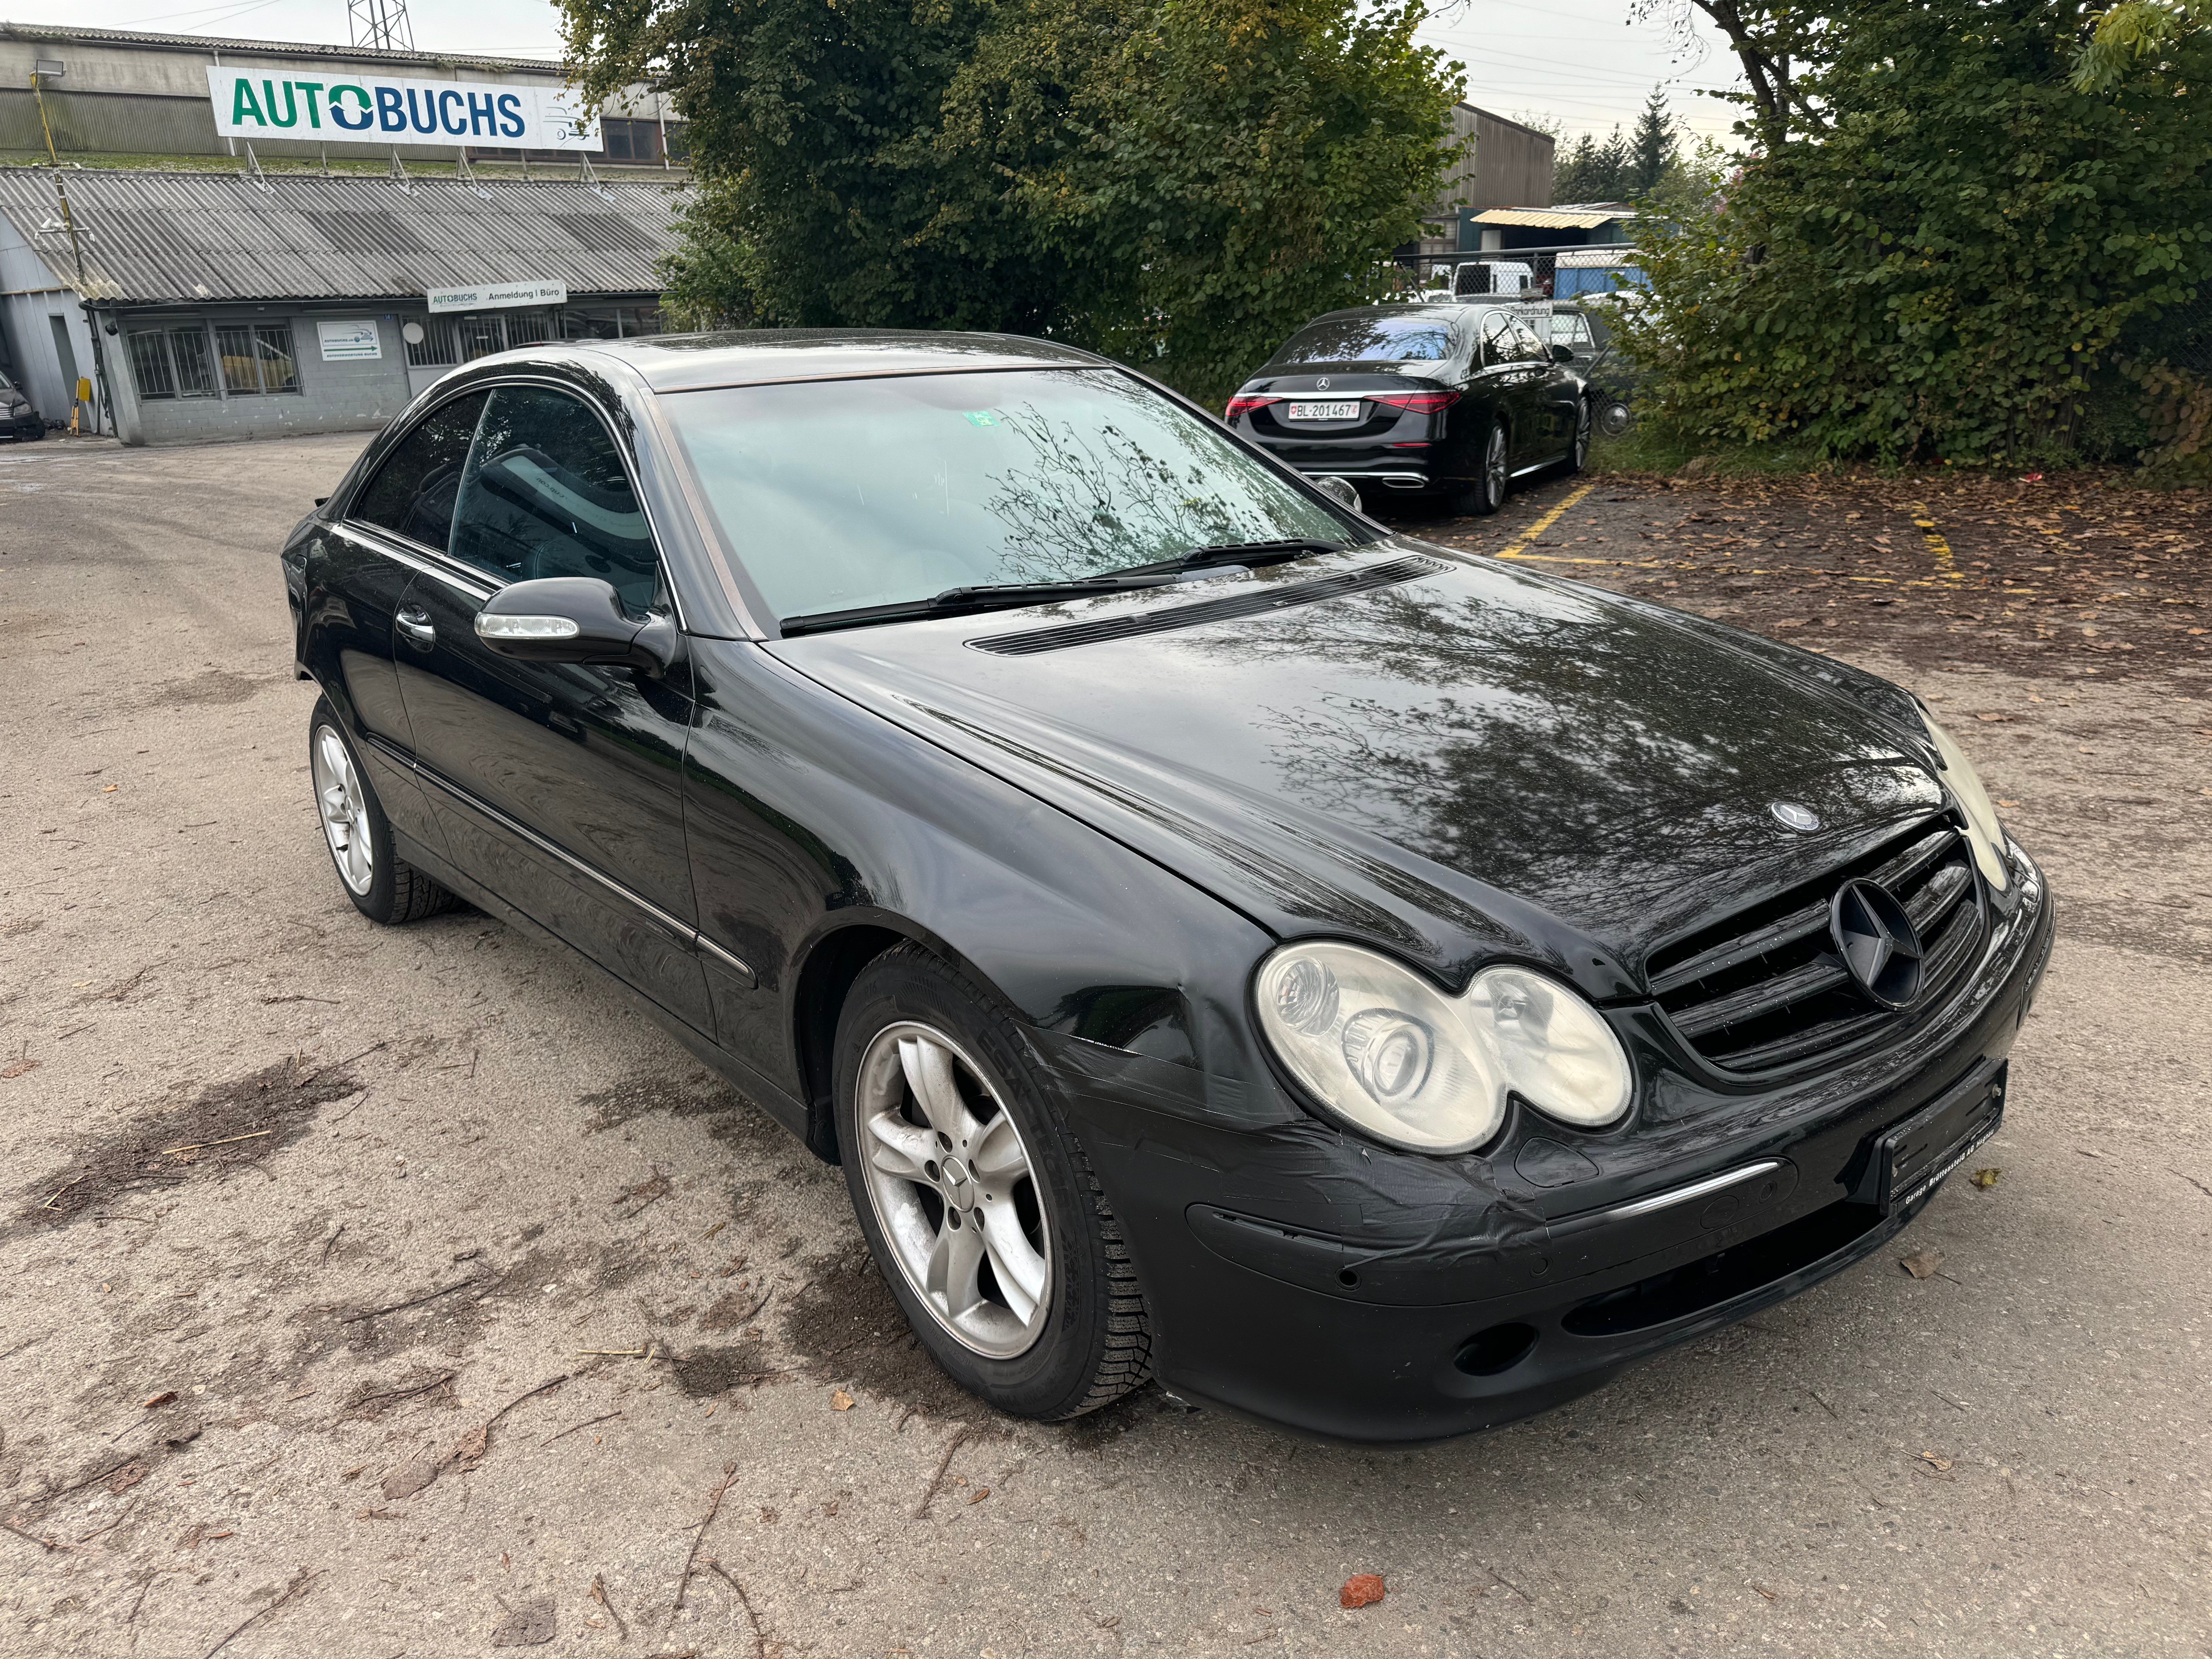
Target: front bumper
{"x": 1300, "y": 1276}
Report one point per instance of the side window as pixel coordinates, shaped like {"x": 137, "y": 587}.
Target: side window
{"x": 1497, "y": 338}
{"x": 1570, "y": 329}
{"x": 545, "y": 494}
{"x": 413, "y": 491}
{"x": 1527, "y": 345}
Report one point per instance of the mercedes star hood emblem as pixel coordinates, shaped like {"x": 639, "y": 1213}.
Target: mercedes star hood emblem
{"x": 1878, "y": 943}
{"x": 1791, "y": 816}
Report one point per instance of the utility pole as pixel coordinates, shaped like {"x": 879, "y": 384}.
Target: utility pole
{"x": 76, "y": 249}
{"x": 381, "y": 23}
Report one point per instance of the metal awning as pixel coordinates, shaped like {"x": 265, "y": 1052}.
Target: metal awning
{"x": 1552, "y": 218}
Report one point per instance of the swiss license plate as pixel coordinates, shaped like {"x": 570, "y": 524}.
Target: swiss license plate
{"x": 1920, "y": 1151}
{"x": 1323, "y": 412}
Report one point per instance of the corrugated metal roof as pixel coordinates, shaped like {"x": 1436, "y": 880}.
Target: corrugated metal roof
{"x": 1550, "y": 218}
{"x": 200, "y": 43}
{"x": 197, "y": 237}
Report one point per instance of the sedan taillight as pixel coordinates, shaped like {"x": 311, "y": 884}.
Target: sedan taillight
{"x": 1242, "y": 404}
{"x": 1414, "y": 403}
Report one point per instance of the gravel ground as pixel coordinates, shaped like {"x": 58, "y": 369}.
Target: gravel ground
{"x": 371, "y": 1293}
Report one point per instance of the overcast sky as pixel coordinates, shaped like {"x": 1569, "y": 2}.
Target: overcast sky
{"x": 1579, "y": 62}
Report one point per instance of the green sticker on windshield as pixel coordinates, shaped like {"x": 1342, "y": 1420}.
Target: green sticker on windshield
{"x": 982, "y": 417}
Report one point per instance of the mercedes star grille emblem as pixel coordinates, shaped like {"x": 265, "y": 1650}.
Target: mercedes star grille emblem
{"x": 1791, "y": 816}
{"x": 1321, "y": 385}
{"x": 1878, "y": 943}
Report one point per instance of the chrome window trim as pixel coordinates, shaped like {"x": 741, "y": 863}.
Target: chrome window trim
{"x": 428, "y": 561}
{"x": 490, "y": 583}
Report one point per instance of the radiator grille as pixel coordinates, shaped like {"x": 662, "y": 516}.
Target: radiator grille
{"x": 1766, "y": 989}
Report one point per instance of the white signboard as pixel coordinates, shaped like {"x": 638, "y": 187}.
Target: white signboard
{"x": 491, "y": 296}
{"x": 351, "y": 340}
{"x": 375, "y": 109}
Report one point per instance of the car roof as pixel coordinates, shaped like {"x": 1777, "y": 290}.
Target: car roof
{"x": 1443, "y": 310}
{"x": 693, "y": 363}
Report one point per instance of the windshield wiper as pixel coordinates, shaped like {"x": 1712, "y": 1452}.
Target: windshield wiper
{"x": 955, "y": 601}
{"x": 1247, "y": 553}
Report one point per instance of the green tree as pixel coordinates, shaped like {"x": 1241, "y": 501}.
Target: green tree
{"x": 1651, "y": 149}
{"x": 1940, "y": 245}
{"x": 1593, "y": 172}
{"x": 1180, "y": 183}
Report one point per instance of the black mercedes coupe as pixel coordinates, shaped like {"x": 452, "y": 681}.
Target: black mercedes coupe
{"x": 1363, "y": 985}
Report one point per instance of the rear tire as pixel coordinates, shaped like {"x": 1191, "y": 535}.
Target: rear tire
{"x": 978, "y": 1206}
{"x": 382, "y": 886}
{"x": 1579, "y": 454}
{"x": 1486, "y": 494}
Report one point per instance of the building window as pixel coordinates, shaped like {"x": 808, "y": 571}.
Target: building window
{"x": 257, "y": 358}
{"x": 641, "y": 141}
{"x": 172, "y": 362}
{"x": 434, "y": 349}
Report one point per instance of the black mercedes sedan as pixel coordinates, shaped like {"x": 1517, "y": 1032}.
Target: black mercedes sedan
{"x": 1365, "y": 986}
{"x": 1442, "y": 401}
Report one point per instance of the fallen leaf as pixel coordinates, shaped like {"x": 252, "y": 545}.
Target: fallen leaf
{"x": 17, "y": 1067}
{"x": 473, "y": 1444}
{"x": 413, "y": 1475}
{"x": 841, "y": 1401}
{"x": 123, "y": 1479}
{"x": 1921, "y": 1264}
{"x": 982, "y": 1492}
{"x": 1362, "y": 1589}
{"x": 166, "y": 1397}
{"x": 1936, "y": 1460}
{"x": 1986, "y": 1178}
{"x": 2008, "y": 803}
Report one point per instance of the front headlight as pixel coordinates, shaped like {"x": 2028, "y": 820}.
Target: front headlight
{"x": 1385, "y": 1049}
{"x": 1984, "y": 833}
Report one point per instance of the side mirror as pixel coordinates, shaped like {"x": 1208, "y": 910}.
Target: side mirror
{"x": 1563, "y": 354}
{"x": 574, "y": 619}
{"x": 1340, "y": 490}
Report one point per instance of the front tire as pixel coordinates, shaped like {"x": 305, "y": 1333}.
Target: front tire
{"x": 382, "y": 886}
{"x": 1486, "y": 494}
{"x": 978, "y": 1206}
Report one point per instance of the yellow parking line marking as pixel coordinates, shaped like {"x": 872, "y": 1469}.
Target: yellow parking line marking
{"x": 1945, "y": 564}
{"x": 1512, "y": 550}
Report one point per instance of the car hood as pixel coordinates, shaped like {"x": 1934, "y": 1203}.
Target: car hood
{"x": 1472, "y": 760}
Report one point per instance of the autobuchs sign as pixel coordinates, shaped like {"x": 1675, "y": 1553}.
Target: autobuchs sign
{"x": 377, "y": 110}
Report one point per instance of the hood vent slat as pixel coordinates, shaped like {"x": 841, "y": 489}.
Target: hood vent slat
{"x": 1255, "y": 602}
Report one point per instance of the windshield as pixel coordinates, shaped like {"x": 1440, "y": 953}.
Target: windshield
{"x": 840, "y": 494}
{"x": 1376, "y": 338}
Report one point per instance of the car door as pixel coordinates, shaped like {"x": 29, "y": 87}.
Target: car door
{"x": 395, "y": 526}
{"x": 1507, "y": 379}
{"x": 558, "y": 785}
{"x": 1554, "y": 393}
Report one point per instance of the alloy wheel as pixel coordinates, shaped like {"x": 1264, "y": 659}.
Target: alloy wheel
{"x": 345, "y": 809}
{"x": 1581, "y": 437}
{"x": 954, "y": 1190}
{"x": 1493, "y": 467}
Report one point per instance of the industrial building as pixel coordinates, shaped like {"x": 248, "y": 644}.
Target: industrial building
{"x": 1501, "y": 163}
{"x": 209, "y": 304}
{"x": 194, "y": 292}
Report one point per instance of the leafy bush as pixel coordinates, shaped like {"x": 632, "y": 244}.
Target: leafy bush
{"x": 1950, "y": 260}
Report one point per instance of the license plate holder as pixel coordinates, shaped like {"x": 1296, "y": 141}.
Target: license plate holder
{"x": 1911, "y": 1156}
{"x": 1320, "y": 411}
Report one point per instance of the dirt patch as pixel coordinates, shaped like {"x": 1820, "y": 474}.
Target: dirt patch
{"x": 212, "y": 689}
{"x": 845, "y": 1327}
{"x": 2060, "y": 575}
{"x": 241, "y": 1121}
{"x": 706, "y": 1371}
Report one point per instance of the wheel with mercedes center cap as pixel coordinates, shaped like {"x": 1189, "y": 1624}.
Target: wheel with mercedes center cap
{"x": 980, "y": 1208}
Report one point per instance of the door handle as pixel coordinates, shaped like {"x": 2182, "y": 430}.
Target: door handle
{"x": 413, "y": 622}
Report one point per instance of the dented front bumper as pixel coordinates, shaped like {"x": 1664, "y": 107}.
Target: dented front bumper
{"x": 1303, "y": 1276}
